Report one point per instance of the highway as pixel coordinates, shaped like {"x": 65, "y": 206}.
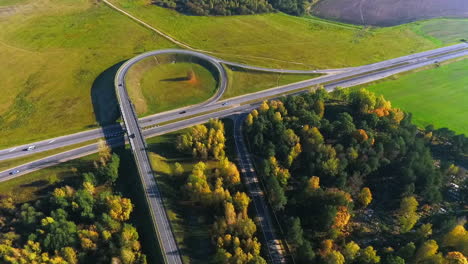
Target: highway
{"x": 217, "y": 109}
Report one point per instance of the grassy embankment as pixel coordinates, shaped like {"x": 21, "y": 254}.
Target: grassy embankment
{"x": 245, "y": 81}
{"x": 156, "y": 84}
{"x": 59, "y": 60}
{"x": 437, "y": 96}
{"x": 38, "y": 184}
{"x": 311, "y": 42}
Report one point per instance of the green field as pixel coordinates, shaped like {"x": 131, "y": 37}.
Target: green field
{"x": 165, "y": 87}
{"x": 58, "y": 65}
{"x": 245, "y": 81}
{"x": 437, "y": 96}
{"x": 38, "y": 184}
{"x": 311, "y": 42}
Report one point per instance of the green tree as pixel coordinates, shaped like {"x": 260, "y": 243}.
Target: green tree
{"x": 178, "y": 169}
{"x": 368, "y": 255}
{"x": 305, "y": 253}
{"x": 59, "y": 234}
{"x": 391, "y": 259}
{"x": 295, "y": 233}
{"x": 407, "y": 216}
{"x": 350, "y": 251}
{"x": 110, "y": 172}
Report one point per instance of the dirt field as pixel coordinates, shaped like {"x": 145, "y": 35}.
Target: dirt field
{"x": 388, "y": 12}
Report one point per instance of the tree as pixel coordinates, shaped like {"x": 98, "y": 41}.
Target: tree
{"x": 85, "y": 202}
{"x": 229, "y": 213}
{"x": 365, "y": 197}
{"x": 178, "y": 169}
{"x": 314, "y": 183}
{"x": 295, "y": 232}
{"x": 424, "y": 231}
{"x": 305, "y": 253}
{"x": 69, "y": 255}
{"x": 350, "y": 251}
{"x": 229, "y": 172}
{"x": 368, "y": 255}
{"x": 391, "y": 259}
{"x": 28, "y": 215}
{"x": 407, "y": 252}
{"x": 457, "y": 238}
{"x": 119, "y": 208}
{"x": 362, "y": 100}
{"x": 456, "y": 257}
{"x": 276, "y": 194}
{"x": 110, "y": 172}
{"x": 427, "y": 251}
{"x": 197, "y": 184}
{"x": 241, "y": 202}
{"x": 335, "y": 257}
{"x": 104, "y": 152}
{"x": 342, "y": 217}
{"x": 407, "y": 216}
{"x": 59, "y": 234}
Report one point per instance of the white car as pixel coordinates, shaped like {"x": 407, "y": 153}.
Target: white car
{"x": 31, "y": 148}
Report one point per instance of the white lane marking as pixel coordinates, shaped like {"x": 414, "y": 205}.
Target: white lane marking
{"x": 51, "y": 141}
{"x": 12, "y": 149}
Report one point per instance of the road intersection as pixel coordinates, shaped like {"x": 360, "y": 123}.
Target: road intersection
{"x": 138, "y": 129}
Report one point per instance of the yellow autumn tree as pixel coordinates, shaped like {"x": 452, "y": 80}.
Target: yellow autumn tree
{"x": 314, "y": 183}
{"x": 365, "y": 196}
{"x": 455, "y": 257}
{"x": 119, "y": 208}
{"x": 457, "y": 238}
{"x": 342, "y": 217}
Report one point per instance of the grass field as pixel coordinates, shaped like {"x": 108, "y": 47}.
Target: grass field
{"x": 315, "y": 43}
{"x": 58, "y": 65}
{"x": 165, "y": 87}
{"x": 245, "y": 81}
{"x": 437, "y": 96}
{"x": 38, "y": 184}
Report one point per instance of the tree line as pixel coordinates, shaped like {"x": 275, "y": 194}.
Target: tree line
{"x": 325, "y": 158}
{"x": 234, "y": 7}
{"x": 85, "y": 224}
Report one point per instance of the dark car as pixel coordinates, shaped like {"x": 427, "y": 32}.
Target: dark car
{"x": 183, "y": 112}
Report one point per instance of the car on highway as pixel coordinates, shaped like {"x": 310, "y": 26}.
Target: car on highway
{"x": 183, "y": 112}
{"x": 30, "y": 148}
{"x": 224, "y": 104}
{"x": 14, "y": 172}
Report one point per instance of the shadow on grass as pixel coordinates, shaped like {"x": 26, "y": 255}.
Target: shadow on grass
{"x": 130, "y": 186}
{"x": 177, "y": 79}
{"x": 190, "y": 223}
{"x": 106, "y": 106}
